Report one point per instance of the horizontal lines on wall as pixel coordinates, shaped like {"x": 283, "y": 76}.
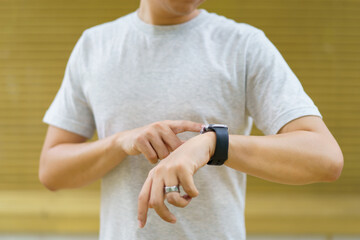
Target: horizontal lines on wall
{"x": 318, "y": 38}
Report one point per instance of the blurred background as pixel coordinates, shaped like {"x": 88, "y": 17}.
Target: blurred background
{"x": 320, "y": 39}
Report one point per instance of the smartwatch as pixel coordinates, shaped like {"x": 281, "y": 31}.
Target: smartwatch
{"x": 222, "y": 143}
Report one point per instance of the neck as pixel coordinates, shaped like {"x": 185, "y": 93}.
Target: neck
{"x": 156, "y": 15}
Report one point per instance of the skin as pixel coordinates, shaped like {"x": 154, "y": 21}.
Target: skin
{"x": 68, "y": 161}
{"x": 168, "y": 12}
{"x": 303, "y": 151}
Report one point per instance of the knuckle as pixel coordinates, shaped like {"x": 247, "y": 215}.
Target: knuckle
{"x": 179, "y": 168}
{"x": 173, "y": 145}
{"x": 158, "y": 170}
{"x": 151, "y": 203}
{"x": 171, "y": 198}
{"x": 152, "y": 158}
{"x": 154, "y": 203}
{"x": 193, "y": 192}
{"x": 164, "y": 154}
{"x": 139, "y": 139}
{"x": 166, "y": 131}
{"x": 148, "y": 134}
{"x": 190, "y": 189}
{"x": 157, "y": 125}
{"x": 177, "y": 143}
{"x": 141, "y": 198}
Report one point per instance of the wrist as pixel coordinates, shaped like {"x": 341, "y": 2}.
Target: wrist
{"x": 117, "y": 143}
{"x": 220, "y": 153}
{"x": 211, "y": 142}
{"x": 203, "y": 147}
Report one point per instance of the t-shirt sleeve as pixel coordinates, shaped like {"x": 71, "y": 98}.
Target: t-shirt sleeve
{"x": 70, "y": 109}
{"x": 274, "y": 95}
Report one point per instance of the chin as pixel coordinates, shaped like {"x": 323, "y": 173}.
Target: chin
{"x": 183, "y": 7}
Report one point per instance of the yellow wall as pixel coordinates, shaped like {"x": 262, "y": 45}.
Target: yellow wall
{"x": 320, "y": 39}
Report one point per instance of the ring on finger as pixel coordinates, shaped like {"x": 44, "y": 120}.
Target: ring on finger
{"x": 172, "y": 189}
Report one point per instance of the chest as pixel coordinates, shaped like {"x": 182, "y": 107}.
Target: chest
{"x": 134, "y": 87}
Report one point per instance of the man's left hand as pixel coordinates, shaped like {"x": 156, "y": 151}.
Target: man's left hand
{"x": 176, "y": 169}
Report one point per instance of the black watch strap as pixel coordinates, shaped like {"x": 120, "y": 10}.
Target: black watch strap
{"x": 222, "y": 143}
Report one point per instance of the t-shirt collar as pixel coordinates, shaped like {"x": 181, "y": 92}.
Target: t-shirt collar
{"x": 168, "y": 29}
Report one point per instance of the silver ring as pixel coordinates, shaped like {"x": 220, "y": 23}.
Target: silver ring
{"x": 172, "y": 189}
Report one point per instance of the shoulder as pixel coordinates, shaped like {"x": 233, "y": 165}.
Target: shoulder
{"x": 107, "y": 31}
{"x": 97, "y": 41}
{"x": 225, "y": 28}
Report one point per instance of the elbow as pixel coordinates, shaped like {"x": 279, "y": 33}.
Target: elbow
{"x": 45, "y": 180}
{"x": 335, "y": 166}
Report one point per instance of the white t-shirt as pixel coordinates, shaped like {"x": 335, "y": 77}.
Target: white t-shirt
{"x": 126, "y": 73}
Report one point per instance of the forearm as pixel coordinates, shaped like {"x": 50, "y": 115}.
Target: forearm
{"x": 72, "y": 165}
{"x": 298, "y": 157}
{"x": 67, "y": 161}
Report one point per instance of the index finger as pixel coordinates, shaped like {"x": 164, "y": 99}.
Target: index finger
{"x": 143, "y": 202}
{"x": 179, "y": 126}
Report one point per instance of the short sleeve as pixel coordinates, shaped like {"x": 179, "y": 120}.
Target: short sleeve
{"x": 70, "y": 109}
{"x": 274, "y": 95}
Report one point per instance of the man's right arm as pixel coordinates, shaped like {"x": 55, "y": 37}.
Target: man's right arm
{"x": 68, "y": 161}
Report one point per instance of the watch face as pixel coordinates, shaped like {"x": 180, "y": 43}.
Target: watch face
{"x": 218, "y": 125}
{"x": 209, "y": 127}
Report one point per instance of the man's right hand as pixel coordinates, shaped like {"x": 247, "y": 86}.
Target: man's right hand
{"x": 156, "y": 140}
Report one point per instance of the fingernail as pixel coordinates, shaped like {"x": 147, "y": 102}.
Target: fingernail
{"x": 140, "y": 224}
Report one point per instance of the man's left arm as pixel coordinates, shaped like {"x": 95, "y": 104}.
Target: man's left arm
{"x": 303, "y": 151}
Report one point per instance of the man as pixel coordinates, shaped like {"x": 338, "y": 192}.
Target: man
{"x": 164, "y": 70}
